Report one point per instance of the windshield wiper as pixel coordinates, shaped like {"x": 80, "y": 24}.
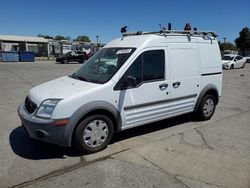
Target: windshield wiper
{"x": 80, "y": 78}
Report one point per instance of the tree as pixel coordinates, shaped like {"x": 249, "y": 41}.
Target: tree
{"x": 45, "y": 36}
{"x": 83, "y": 38}
{"x": 227, "y": 46}
{"x": 243, "y": 41}
{"x": 60, "y": 37}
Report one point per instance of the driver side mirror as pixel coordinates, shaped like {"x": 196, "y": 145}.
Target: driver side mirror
{"x": 131, "y": 81}
{"x": 128, "y": 83}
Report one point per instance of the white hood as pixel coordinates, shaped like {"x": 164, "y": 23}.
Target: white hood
{"x": 59, "y": 89}
{"x": 225, "y": 61}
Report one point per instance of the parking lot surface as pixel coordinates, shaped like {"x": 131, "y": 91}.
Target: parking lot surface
{"x": 179, "y": 152}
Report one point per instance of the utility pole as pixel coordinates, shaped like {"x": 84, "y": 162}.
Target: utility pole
{"x": 97, "y": 41}
{"x": 224, "y": 38}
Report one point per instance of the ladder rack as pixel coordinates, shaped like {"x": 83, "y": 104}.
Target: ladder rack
{"x": 173, "y": 32}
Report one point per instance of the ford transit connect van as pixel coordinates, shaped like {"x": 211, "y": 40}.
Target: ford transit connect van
{"x": 138, "y": 79}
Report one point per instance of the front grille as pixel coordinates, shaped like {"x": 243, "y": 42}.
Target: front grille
{"x": 29, "y": 105}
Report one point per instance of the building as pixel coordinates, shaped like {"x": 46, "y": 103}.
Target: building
{"x": 38, "y": 45}
{"x": 44, "y": 49}
{"x": 62, "y": 47}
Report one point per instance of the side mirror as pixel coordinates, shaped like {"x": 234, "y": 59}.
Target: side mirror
{"x": 235, "y": 59}
{"x": 128, "y": 83}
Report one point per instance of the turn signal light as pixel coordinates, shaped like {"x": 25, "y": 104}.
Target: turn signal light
{"x": 61, "y": 122}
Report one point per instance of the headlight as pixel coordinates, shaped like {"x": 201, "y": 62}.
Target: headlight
{"x": 46, "y": 108}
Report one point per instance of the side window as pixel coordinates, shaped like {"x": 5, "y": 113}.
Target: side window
{"x": 153, "y": 65}
{"x": 149, "y": 66}
{"x": 135, "y": 70}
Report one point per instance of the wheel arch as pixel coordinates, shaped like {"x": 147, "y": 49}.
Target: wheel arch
{"x": 97, "y": 107}
{"x": 209, "y": 89}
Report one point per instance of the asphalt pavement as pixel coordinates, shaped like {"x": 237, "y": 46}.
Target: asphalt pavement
{"x": 178, "y": 152}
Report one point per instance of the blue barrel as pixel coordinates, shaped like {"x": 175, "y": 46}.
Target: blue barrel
{"x": 10, "y": 57}
{"x": 26, "y": 56}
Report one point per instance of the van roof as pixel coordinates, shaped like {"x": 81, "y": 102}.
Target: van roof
{"x": 152, "y": 39}
{"x": 134, "y": 41}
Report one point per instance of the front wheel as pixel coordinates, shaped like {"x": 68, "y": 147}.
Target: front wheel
{"x": 65, "y": 61}
{"x": 206, "y": 108}
{"x": 232, "y": 67}
{"x": 93, "y": 133}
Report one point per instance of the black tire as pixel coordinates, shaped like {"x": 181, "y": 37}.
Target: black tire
{"x": 82, "y": 144}
{"x": 232, "y": 67}
{"x": 203, "y": 114}
{"x": 65, "y": 61}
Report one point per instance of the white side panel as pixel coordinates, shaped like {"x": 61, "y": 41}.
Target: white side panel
{"x": 185, "y": 71}
{"x": 213, "y": 79}
{"x": 158, "y": 112}
{"x": 184, "y": 62}
{"x": 145, "y": 94}
{"x": 211, "y": 63}
{"x": 210, "y": 57}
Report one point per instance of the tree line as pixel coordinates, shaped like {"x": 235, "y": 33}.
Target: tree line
{"x": 242, "y": 43}
{"x": 81, "y": 38}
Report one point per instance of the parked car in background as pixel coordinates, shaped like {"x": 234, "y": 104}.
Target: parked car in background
{"x": 72, "y": 56}
{"x": 247, "y": 58}
{"x": 232, "y": 61}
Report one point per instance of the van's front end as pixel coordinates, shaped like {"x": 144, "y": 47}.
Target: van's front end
{"x": 52, "y": 110}
{"x": 46, "y": 111}
{"x": 37, "y": 127}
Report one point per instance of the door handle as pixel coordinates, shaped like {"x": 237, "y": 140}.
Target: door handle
{"x": 163, "y": 86}
{"x": 176, "y": 84}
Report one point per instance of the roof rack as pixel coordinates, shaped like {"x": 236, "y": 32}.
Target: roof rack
{"x": 174, "y": 32}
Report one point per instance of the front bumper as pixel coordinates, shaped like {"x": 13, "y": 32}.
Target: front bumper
{"x": 225, "y": 66}
{"x": 43, "y": 129}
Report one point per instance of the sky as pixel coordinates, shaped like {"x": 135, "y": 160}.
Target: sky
{"x": 105, "y": 18}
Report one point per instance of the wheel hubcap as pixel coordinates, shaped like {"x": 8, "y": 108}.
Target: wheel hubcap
{"x": 95, "y": 133}
{"x": 208, "y": 107}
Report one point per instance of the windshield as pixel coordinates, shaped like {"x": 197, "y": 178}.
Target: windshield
{"x": 103, "y": 65}
{"x": 226, "y": 57}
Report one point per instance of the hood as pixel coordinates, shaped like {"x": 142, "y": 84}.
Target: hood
{"x": 225, "y": 61}
{"x": 60, "y": 88}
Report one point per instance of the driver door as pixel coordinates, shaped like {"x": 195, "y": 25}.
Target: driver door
{"x": 144, "y": 89}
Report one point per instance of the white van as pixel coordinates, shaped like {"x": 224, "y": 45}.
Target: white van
{"x": 134, "y": 80}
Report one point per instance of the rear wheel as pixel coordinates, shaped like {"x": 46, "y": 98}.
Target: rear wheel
{"x": 93, "y": 133}
{"x": 207, "y": 107}
{"x": 243, "y": 66}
